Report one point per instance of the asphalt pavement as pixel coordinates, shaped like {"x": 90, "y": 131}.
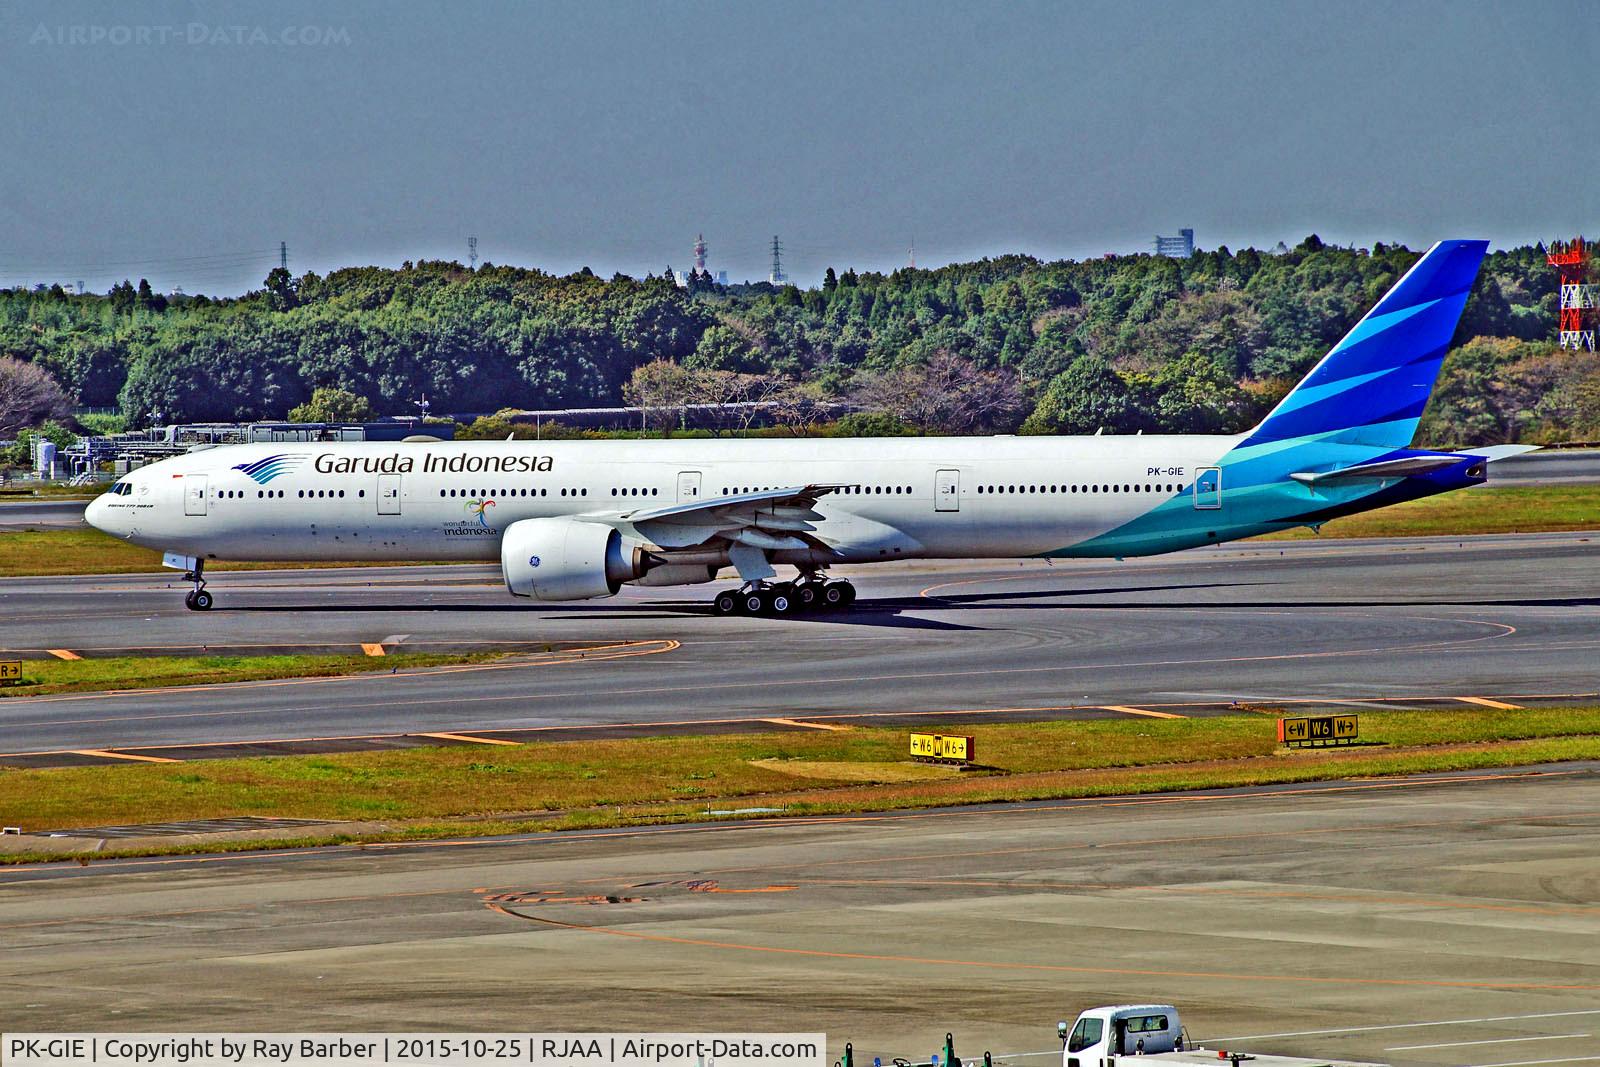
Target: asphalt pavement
{"x": 1443, "y": 920}
{"x": 1508, "y": 619}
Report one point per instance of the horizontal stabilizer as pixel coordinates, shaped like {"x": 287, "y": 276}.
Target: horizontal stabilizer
{"x": 1389, "y": 468}
{"x": 1404, "y": 466}
{"x": 1498, "y": 452}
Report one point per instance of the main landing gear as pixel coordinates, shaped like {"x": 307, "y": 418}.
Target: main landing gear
{"x": 811, "y": 593}
{"x": 197, "y": 599}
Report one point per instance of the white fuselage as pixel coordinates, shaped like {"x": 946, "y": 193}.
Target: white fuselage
{"x": 957, "y": 497}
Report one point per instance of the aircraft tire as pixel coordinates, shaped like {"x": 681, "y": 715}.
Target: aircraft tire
{"x": 751, "y": 603}
{"x": 778, "y": 600}
{"x": 807, "y": 596}
{"x": 199, "y": 601}
{"x": 726, "y": 603}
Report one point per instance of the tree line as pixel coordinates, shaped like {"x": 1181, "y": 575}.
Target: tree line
{"x": 1125, "y": 343}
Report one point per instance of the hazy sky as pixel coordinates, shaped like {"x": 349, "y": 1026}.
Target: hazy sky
{"x": 183, "y": 141}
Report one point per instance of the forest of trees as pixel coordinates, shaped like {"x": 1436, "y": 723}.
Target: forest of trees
{"x": 1203, "y": 344}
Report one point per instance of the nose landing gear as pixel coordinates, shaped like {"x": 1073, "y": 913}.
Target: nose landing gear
{"x": 197, "y": 599}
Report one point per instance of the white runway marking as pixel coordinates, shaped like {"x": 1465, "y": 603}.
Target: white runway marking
{"x": 1489, "y": 1041}
{"x": 1408, "y": 1026}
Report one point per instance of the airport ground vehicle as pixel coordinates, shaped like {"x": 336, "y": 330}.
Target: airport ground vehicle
{"x": 577, "y": 520}
{"x": 1101, "y": 1036}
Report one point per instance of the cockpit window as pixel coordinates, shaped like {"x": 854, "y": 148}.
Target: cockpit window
{"x": 120, "y": 489}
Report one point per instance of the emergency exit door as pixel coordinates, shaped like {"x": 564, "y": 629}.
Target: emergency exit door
{"x": 1208, "y": 487}
{"x": 688, "y": 486}
{"x": 947, "y": 491}
{"x": 194, "y": 494}
{"x": 388, "y": 494}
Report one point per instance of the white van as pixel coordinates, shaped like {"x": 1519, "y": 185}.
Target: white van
{"x": 1102, "y": 1034}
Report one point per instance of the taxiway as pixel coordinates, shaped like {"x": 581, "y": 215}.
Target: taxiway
{"x": 1448, "y": 919}
{"x": 1507, "y": 619}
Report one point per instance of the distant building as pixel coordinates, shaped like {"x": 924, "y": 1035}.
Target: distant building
{"x": 1179, "y": 247}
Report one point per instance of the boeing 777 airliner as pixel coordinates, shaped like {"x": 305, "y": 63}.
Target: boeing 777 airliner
{"x": 573, "y": 520}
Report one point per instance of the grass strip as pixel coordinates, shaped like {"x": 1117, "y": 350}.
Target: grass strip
{"x": 162, "y": 672}
{"x": 579, "y": 784}
{"x": 1488, "y": 509}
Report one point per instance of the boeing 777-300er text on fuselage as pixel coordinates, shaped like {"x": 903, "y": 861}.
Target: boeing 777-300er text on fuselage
{"x": 573, "y": 520}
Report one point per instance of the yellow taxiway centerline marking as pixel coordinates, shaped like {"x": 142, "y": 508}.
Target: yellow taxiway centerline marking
{"x": 1140, "y": 711}
{"x": 372, "y": 650}
{"x": 1485, "y": 702}
{"x": 123, "y": 755}
{"x": 805, "y": 725}
{"x": 63, "y": 653}
{"x": 469, "y": 737}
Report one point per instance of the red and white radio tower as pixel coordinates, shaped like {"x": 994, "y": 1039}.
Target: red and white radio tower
{"x": 1580, "y": 306}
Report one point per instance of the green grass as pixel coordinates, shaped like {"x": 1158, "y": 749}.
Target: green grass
{"x": 1486, "y": 510}
{"x": 73, "y": 551}
{"x": 159, "y": 672}
{"x": 559, "y": 785}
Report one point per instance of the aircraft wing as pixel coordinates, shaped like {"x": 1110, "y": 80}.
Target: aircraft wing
{"x": 771, "y": 519}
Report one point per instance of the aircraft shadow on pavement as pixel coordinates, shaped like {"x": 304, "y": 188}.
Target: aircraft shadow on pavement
{"x": 865, "y": 613}
{"x": 959, "y": 600}
{"x": 896, "y": 612}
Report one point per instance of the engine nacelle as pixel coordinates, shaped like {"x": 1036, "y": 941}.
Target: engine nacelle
{"x": 565, "y": 559}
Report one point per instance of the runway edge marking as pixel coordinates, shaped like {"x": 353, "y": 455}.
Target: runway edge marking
{"x": 1126, "y": 710}
{"x": 108, "y": 754}
{"x": 471, "y": 739}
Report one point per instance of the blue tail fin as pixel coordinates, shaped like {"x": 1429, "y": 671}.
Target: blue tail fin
{"x": 1371, "y": 388}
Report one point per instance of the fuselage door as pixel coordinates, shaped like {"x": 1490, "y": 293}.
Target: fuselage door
{"x": 947, "y": 491}
{"x": 388, "y": 494}
{"x": 1208, "y": 487}
{"x": 688, "y": 486}
{"x": 194, "y": 494}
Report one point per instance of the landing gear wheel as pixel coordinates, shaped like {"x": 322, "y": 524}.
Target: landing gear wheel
{"x": 807, "y": 596}
{"x": 778, "y": 599}
{"x": 726, "y": 604}
{"x": 750, "y": 602}
{"x": 838, "y": 595}
{"x": 197, "y": 599}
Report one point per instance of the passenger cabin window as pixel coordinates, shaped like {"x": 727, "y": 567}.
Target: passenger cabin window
{"x": 1085, "y": 1034}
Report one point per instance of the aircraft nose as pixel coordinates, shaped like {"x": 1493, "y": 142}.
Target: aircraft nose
{"x": 96, "y": 515}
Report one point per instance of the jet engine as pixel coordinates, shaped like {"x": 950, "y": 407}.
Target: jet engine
{"x": 566, "y": 559}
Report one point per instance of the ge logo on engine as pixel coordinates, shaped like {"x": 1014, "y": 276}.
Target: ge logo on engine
{"x": 533, "y": 561}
